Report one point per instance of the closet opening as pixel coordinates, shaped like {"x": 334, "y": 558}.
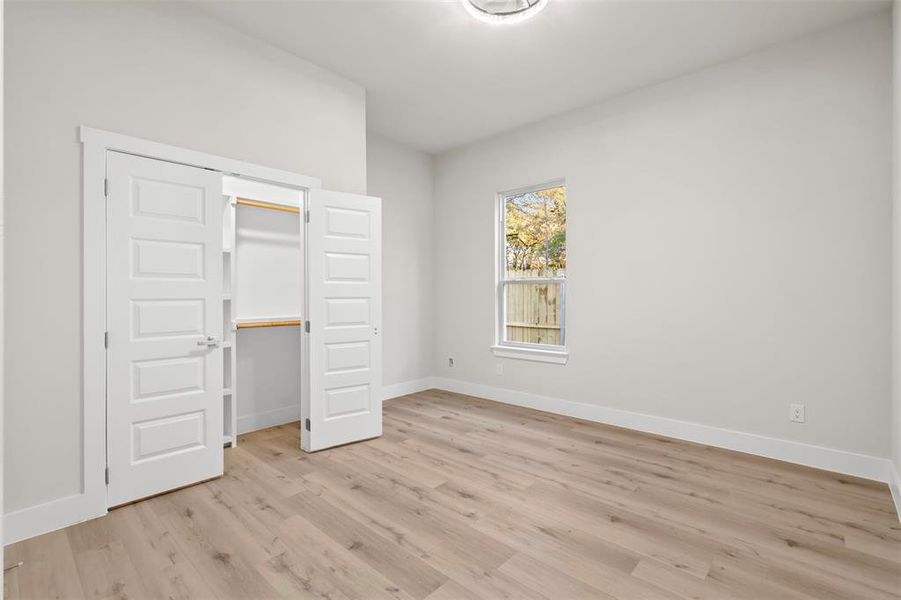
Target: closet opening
{"x": 227, "y": 297}
{"x": 262, "y": 229}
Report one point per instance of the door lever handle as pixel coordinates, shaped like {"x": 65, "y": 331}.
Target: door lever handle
{"x": 209, "y": 342}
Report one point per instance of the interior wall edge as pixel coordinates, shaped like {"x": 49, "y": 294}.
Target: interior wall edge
{"x": 403, "y": 177}
{"x": 895, "y": 482}
{"x": 894, "y": 485}
{"x": 839, "y": 461}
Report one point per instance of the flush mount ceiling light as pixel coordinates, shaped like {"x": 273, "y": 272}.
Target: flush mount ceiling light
{"x": 503, "y": 12}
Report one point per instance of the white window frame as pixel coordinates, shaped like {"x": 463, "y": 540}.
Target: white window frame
{"x": 520, "y": 350}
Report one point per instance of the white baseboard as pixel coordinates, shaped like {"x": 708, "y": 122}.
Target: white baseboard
{"x": 407, "y": 387}
{"x": 839, "y": 461}
{"x": 43, "y": 518}
{"x": 270, "y": 418}
{"x": 894, "y": 484}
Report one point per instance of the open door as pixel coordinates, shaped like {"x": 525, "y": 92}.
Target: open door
{"x": 164, "y": 320}
{"x": 342, "y": 349}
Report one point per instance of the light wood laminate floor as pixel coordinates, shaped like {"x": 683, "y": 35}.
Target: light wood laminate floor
{"x": 463, "y": 499}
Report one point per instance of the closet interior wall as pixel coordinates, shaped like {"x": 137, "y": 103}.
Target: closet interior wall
{"x": 262, "y": 302}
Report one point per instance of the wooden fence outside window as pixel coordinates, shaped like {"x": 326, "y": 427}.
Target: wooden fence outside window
{"x": 534, "y": 310}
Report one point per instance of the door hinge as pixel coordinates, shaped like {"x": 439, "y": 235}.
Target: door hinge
{"x": 106, "y": 339}
{"x": 106, "y": 475}
{"x": 306, "y": 326}
{"x": 106, "y": 187}
{"x": 307, "y": 424}
{"x": 306, "y": 216}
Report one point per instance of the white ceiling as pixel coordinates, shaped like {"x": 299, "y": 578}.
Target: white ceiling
{"x": 437, "y": 79}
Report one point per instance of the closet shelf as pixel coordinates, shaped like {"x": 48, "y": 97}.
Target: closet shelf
{"x": 254, "y": 322}
{"x": 269, "y": 205}
{"x": 226, "y": 391}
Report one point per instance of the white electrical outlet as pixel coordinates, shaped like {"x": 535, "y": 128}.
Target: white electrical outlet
{"x": 499, "y": 369}
{"x": 797, "y": 413}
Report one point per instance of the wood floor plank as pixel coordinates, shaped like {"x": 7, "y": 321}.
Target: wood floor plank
{"x": 867, "y": 543}
{"x": 49, "y": 569}
{"x": 152, "y": 549}
{"x": 107, "y": 572}
{"x": 494, "y": 584}
{"x": 377, "y": 491}
{"x": 406, "y": 570}
{"x": 549, "y": 581}
{"x": 11, "y": 571}
{"x": 679, "y": 583}
{"x": 294, "y": 578}
{"x": 352, "y": 576}
{"x": 211, "y": 547}
{"x": 452, "y": 591}
{"x": 467, "y": 499}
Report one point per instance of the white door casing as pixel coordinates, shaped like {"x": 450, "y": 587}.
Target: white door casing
{"x": 342, "y": 376}
{"x": 164, "y": 318}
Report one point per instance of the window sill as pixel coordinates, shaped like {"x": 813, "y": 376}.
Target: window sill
{"x": 558, "y": 357}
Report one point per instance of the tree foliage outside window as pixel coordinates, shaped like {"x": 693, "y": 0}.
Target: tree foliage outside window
{"x": 533, "y": 256}
{"x": 535, "y": 224}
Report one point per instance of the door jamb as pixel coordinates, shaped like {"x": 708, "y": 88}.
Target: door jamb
{"x": 96, "y": 143}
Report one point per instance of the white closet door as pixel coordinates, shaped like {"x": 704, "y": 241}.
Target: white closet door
{"x": 164, "y": 364}
{"x": 342, "y": 391}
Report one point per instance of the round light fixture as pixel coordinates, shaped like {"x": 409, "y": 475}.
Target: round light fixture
{"x": 503, "y": 12}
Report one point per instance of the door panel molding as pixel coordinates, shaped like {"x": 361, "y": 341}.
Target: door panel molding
{"x": 164, "y": 398}
{"x": 342, "y": 390}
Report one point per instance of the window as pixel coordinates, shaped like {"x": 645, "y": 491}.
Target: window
{"x": 531, "y": 282}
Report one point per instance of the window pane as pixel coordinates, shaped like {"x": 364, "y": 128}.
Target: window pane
{"x": 535, "y": 243}
{"x": 534, "y": 313}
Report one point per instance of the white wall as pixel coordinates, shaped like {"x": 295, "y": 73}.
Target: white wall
{"x": 403, "y": 179}
{"x": 729, "y": 245}
{"x": 155, "y": 71}
{"x": 2, "y": 293}
{"x": 268, "y": 284}
{"x": 268, "y": 385}
{"x": 896, "y": 255}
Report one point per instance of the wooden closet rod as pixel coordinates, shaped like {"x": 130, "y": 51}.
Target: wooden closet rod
{"x": 269, "y": 324}
{"x": 259, "y": 204}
